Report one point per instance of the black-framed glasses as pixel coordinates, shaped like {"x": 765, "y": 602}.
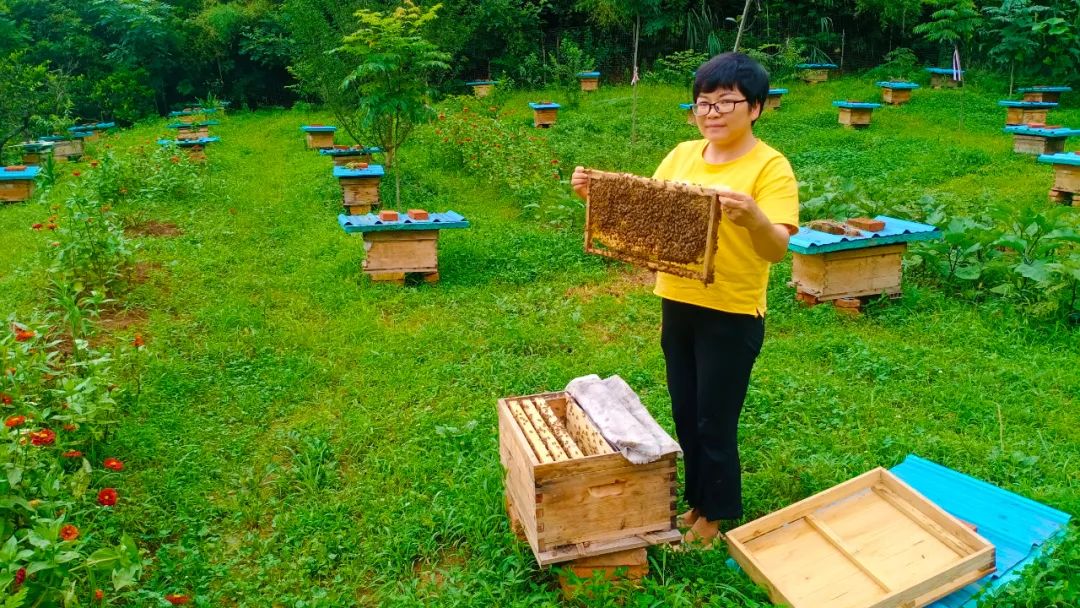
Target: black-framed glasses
{"x": 726, "y": 106}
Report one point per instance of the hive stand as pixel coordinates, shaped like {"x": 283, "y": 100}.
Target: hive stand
{"x": 813, "y": 73}
{"x": 846, "y": 269}
{"x": 544, "y": 114}
{"x": 896, "y": 92}
{"x": 481, "y": 88}
{"x": 855, "y": 114}
{"x": 1066, "y": 177}
{"x": 396, "y": 245}
{"x": 1051, "y": 94}
{"x": 344, "y": 155}
{"x": 319, "y": 136}
{"x": 590, "y": 81}
{"x": 17, "y": 183}
{"x": 772, "y": 102}
{"x": 1026, "y": 112}
{"x": 1040, "y": 139}
{"x": 359, "y": 188}
{"x": 943, "y": 78}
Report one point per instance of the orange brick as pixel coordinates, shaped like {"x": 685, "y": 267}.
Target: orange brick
{"x": 418, "y": 214}
{"x": 865, "y": 223}
{"x": 15, "y": 168}
{"x": 388, "y": 216}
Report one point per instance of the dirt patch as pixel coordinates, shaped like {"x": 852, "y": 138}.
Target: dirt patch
{"x": 153, "y": 228}
{"x": 112, "y": 321}
{"x": 634, "y": 279}
{"x": 434, "y": 574}
{"x": 140, "y": 272}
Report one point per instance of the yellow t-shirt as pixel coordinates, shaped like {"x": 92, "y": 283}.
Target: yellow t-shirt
{"x": 741, "y": 275}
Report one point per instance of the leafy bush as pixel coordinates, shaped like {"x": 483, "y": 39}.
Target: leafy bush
{"x": 677, "y": 68}
{"x": 899, "y": 65}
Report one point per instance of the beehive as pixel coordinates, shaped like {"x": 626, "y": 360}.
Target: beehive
{"x": 574, "y": 495}
{"x": 665, "y": 226}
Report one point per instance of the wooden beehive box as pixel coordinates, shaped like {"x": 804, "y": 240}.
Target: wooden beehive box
{"x": 851, "y": 273}
{"x": 775, "y": 98}
{"x": 870, "y": 542}
{"x": 583, "y": 503}
{"x": 590, "y": 81}
{"x": 665, "y": 226}
{"x": 67, "y": 149}
{"x": 1037, "y": 144}
{"x": 16, "y": 191}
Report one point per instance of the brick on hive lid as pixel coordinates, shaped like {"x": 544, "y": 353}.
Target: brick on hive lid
{"x": 418, "y": 214}
{"x": 833, "y": 227}
{"x": 866, "y": 223}
{"x": 14, "y": 168}
{"x": 388, "y": 215}
{"x": 1036, "y": 125}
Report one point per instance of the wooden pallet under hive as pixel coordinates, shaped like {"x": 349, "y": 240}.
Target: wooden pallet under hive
{"x": 664, "y": 226}
{"x": 572, "y": 495}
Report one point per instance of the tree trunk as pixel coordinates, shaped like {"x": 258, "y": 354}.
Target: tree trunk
{"x": 742, "y": 24}
{"x": 633, "y": 84}
{"x": 1012, "y": 72}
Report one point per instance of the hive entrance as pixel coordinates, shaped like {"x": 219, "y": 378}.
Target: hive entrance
{"x": 661, "y": 225}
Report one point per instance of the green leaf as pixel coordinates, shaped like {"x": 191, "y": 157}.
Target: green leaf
{"x": 969, "y": 272}
{"x": 1036, "y": 271}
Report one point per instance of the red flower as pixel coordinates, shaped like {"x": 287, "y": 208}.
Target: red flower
{"x": 37, "y": 226}
{"x": 51, "y": 226}
{"x": 107, "y": 497}
{"x": 174, "y": 159}
{"x": 76, "y": 173}
{"x": 94, "y": 164}
{"x": 138, "y": 342}
{"x": 54, "y": 244}
{"x": 22, "y": 335}
{"x": 71, "y": 427}
{"x": 176, "y": 599}
{"x": 69, "y": 532}
{"x": 5, "y": 398}
{"x": 72, "y": 454}
{"x": 43, "y": 437}
{"x": 20, "y": 576}
{"x": 113, "y": 464}
{"x": 99, "y": 594}
{"x": 14, "y": 421}
{"x": 554, "y": 161}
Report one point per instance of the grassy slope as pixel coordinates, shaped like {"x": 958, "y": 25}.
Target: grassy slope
{"x": 306, "y": 435}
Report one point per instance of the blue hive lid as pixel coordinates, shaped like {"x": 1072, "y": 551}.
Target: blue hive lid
{"x": 202, "y": 141}
{"x": 318, "y": 129}
{"x": 1034, "y": 105}
{"x": 816, "y": 66}
{"x": 188, "y": 125}
{"x": 369, "y": 171}
{"x": 1042, "y": 131}
{"x": 30, "y": 172}
{"x": 361, "y": 151}
{"x": 81, "y": 134}
{"x": 686, "y": 106}
{"x": 856, "y": 105}
{"x": 36, "y": 146}
{"x": 778, "y": 91}
{"x": 371, "y": 222}
{"x": 948, "y": 71}
{"x": 811, "y": 242}
{"x": 544, "y": 106}
{"x": 1045, "y": 89}
{"x": 588, "y": 74}
{"x": 891, "y": 84}
{"x": 1061, "y": 158}
{"x": 104, "y": 125}
{"x": 193, "y": 112}
{"x": 474, "y": 83}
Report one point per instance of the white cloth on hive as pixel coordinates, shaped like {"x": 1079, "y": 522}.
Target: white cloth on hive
{"x": 617, "y": 412}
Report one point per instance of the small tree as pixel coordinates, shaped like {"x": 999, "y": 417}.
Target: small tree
{"x": 952, "y": 24}
{"x": 31, "y": 97}
{"x": 1015, "y": 33}
{"x": 395, "y": 61}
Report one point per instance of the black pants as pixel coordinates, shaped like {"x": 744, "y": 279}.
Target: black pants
{"x": 709, "y": 355}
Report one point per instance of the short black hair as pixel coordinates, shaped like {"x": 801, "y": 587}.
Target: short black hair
{"x": 733, "y": 71}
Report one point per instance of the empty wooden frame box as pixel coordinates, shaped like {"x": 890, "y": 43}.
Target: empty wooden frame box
{"x": 343, "y": 155}
{"x": 65, "y": 149}
{"x": 35, "y": 152}
{"x": 896, "y": 92}
{"x": 1066, "y": 177}
{"x": 1050, "y": 94}
{"x": 17, "y": 183}
{"x": 775, "y": 96}
{"x": 544, "y": 113}
{"x": 398, "y": 245}
{"x": 827, "y": 267}
{"x": 319, "y": 136}
{"x": 813, "y": 73}
{"x": 945, "y": 78}
{"x": 359, "y": 187}
{"x": 590, "y": 81}
{"x": 1024, "y": 112}
{"x": 855, "y": 114}
{"x": 573, "y": 495}
{"x": 195, "y": 148}
{"x": 193, "y": 130}
{"x": 659, "y": 225}
{"x": 481, "y": 88}
{"x": 870, "y": 542}
{"x": 1040, "y": 139}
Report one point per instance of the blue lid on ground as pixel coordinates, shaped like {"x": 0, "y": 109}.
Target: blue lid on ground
{"x": 1061, "y": 158}
{"x": 812, "y": 242}
{"x": 474, "y": 83}
{"x": 1032, "y": 105}
{"x": 1045, "y": 89}
{"x": 369, "y": 171}
{"x": 856, "y": 105}
{"x": 894, "y": 84}
{"x": 371, "y": 223}
{"x": 1042, "y": 131}
{"x": 29, "y": 172}
{"x": 544, "y": 106}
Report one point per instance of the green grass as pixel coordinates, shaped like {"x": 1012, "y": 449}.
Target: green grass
{"x": 307, "y": 438}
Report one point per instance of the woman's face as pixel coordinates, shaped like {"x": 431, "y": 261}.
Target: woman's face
{"x": 729, "y": 126}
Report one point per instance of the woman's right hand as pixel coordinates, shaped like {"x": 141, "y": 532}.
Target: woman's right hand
{"x": 580, "y": 182}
